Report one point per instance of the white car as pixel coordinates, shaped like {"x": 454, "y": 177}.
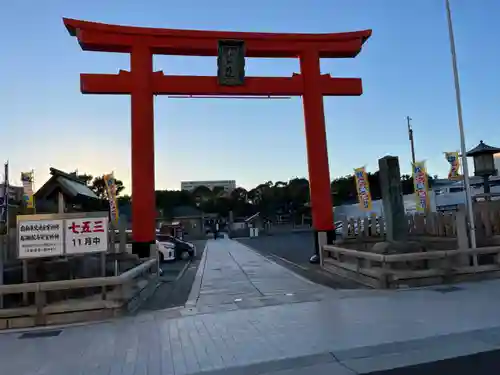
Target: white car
{"x": 166, "y": 250}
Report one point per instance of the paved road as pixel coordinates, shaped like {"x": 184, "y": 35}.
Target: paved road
{"x": 176, "y": 283}
{"x": 295, "y": 247}
{"x": 293, "y": 250}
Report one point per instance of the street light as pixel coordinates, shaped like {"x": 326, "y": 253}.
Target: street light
{"x": 468, "y": 198}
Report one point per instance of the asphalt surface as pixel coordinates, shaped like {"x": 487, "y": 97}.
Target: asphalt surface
{"x": 484, "y": 363}
{"x": 175, "y": 283}
{"x": 293, "y": 250}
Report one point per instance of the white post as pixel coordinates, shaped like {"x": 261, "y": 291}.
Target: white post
{"x": 465, "y": 165}
{"x": 60, "y": 203}
{"x": 154, "y": 251}
{"x": 322, "y": 241}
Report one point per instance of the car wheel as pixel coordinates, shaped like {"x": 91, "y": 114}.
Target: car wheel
{"x": 185, "y": 255}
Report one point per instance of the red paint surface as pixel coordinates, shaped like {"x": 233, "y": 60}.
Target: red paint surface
{"x": 142, "y": 83}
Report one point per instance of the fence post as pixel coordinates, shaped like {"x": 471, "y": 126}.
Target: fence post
{"x": 25, "y": 280}
{"x": 103, "y": 274}
{"x": 322, "y": 241}
{"x": 40, "y": 302}
{"x": 3, "y": 247}
{"x": 463, "y": 235}
{"x": 154, "y": 252}
{"x": 122, "y": 227}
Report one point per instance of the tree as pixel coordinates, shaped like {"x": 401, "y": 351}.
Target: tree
{"x": 218, "y": 191}
{"x": 288, "y": 200}
{"x": 298, "y": 196}
{"x": 86, "y": 178}
{"x": 167, "y": 200}
{"x": 202, "y": 193}
{"x": 98, "y": 186}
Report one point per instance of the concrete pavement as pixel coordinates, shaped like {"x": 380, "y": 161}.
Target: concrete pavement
{"x": 232, "y": 276}
{"x": 250, "y": 316}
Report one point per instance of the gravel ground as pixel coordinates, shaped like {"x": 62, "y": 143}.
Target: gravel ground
{"x": 293, "y": 250}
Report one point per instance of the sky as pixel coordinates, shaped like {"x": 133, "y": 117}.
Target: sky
{"x": 405, "y": 66}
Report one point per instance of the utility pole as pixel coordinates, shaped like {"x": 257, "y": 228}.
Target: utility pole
{"x": 465, "y": 166}
{"x": 410, "y": 137}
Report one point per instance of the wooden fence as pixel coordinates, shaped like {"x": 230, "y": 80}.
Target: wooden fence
{"x": 438, "y": 224}
{"x": 412, "y": 269}
{"x": 487, "y": 218}
{"x": 432, "y": 224}
{"x": 123, "y": 292}
{"x": 46, "y": 295}
{"x": 428, "y": 265}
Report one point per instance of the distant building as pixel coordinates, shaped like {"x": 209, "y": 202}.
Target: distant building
{"x": 77, "y": 196}
{"x": 497, "y": 162}
{"x": 227, "y": 185}
{"x": 15, "y": 192}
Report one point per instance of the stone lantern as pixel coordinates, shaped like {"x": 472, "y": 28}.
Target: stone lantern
{"x": 484, "y": 162}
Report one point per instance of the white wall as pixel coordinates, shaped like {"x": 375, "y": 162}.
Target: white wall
{"x": 353, "y": 210}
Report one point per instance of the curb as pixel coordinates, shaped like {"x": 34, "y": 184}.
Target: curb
{"x": 195, "y": 289}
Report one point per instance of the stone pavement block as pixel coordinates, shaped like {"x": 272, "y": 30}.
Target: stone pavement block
{"x": 281, "y": 366}
{"x": 320, "y": 369}
{"x": 249, "y": 303}
{"x": 209, "y": 309}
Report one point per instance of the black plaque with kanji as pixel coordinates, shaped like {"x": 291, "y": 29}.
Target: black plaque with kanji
{"x": 231, "y": 63}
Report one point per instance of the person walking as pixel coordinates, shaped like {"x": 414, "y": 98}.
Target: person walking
{"x": 216, "y": 231}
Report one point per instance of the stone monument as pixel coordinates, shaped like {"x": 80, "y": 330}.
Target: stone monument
{"x": 392, "y": 199}
{"x": 394, "y": 210}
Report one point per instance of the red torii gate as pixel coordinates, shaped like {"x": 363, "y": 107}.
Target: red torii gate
{"x": 141, "y": 83}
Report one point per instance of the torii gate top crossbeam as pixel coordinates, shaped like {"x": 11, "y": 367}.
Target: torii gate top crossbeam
{"x": 94, "y": 36}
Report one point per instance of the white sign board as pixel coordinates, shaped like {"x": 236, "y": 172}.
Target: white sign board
{"x": 86, "y": 235}
{"x": 40, "y": 238}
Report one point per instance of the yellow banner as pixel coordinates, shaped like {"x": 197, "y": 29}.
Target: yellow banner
{"x": 454, "y": 159}
{"x": 421, "y": 185}
{"x": 27, "y": 179}
{"x": 109, "y": 181}
{"x": 363, "y": 189}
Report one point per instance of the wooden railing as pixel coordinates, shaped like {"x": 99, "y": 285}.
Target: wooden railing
{"x": 117, "y": 293}
{"x": 412, "y": 269}
{"x": 431, "y": 224}
{"x": 435, "y": 224}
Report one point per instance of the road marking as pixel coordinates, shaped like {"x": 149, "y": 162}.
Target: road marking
{"x": 290, "y": 262}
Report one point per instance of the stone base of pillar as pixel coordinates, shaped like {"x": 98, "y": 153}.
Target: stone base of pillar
{"x": 328, "y": 237}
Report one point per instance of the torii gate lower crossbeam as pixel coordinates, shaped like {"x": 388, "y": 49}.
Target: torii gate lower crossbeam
{"x": 142, "y": 83}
